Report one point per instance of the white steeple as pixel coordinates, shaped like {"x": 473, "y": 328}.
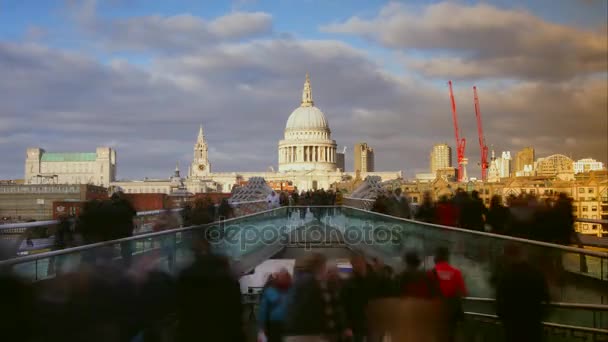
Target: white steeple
{"x": 200, "y": 163}
{"x": 307, "y": 94}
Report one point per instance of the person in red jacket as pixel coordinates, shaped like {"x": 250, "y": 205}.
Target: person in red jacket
{"x": 446, "y": 214}
{"x": 452, "y": 288}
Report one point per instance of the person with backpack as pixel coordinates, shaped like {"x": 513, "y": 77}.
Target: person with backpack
{"x": 273, "y": 305}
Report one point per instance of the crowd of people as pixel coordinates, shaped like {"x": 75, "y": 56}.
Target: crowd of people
{"x": 320, "y": 197}
{"x": 525, "y": 216}
{"x": 371, "y": 303}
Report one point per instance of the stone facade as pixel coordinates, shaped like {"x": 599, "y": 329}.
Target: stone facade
{"x": 97, "y": 168}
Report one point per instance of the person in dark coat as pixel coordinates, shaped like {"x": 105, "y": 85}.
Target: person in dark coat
{"x": 498, "y": 216}
{"x": 313, "y": 309}
{"x": 209, "y": 302}
{"x": 356, "y": 293}
{"x": 521, "y": 291}
{"x": 426, "y": 211}
{"x": 473, "y": 213}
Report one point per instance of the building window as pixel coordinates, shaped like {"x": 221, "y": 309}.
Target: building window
{"x": 581, "y": 190}
{"x": 584, "y": 216}
{"x": 415, "y": 199}
{"x": 590, "y": 190}
{"x": 594, "y": 208}
{"x": 574, "y": 208}
{"x": 585, "y": 209}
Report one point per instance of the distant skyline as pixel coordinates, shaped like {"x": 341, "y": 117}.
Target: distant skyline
{"x": 141, "y": 76}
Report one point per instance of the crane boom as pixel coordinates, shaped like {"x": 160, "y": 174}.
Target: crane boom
{"x": 454, "y": 114}
{"x": 460, "y": 142}
{"x": 483, "y": 148}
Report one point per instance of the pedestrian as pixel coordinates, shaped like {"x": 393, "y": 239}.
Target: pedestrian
{"x": 272, "y": 200}
{"x": 209, "y": 300}
{"x": 356, "y": 294}
{"x": 521, "y": 292}
{"x": 414, "y": 282}
{"x": 400, "y": 205}
{"x": 313, "y": 311}
{"x": 273, "y": 306}
{"x": 426, "y": 211}
{"x": 452, "y": 289}
{"x": 498, "y": 216}
{"x": 446, "y": 213}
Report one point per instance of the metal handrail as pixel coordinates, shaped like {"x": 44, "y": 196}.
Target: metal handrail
{"x": 492, "y": 235}
{"x": 33, "y": 257}
{"x": 595, "y": 307}
{"x": 548, "y": 324}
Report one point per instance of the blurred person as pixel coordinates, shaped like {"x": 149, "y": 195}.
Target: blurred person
{"x": 498, "y": 216}
{"x": 451, "y": 287}
{"x": 521, "y": 292}
{"x": 64, "y": 238}
{"x": 208, "y": 299}
{"x": 273, "y": 306}
{"x": 225, "y": 210}
{"x": 121, "y": 222}
{"x": 358, "y": 290}
{"x": 401, "y": 205}
{"x": 303, "y": 202}
{"x": 521, "y": 217}
{"x": 17, "y": 302}
{"x": 272, "y": 200}
{"x": 156, "y": 300}
{"x": 461, "y": 198}
{"x": 446, "y": 214}
{"x": 381, "y": 204}
{"x": 473, "y": 213}
{"x": 563, "y": 221}
{"x": 414, "y": 282}
{"x": 334, "y": 281}
{"x": 165, "y": 221}
{"x": 313, "y": 311}
{"x": 426, "y": 210}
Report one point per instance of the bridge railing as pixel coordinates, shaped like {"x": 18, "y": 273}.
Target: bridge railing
{"x": 172, "y": 248}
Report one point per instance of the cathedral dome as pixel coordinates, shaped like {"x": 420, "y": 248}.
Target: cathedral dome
{"x": 307, "y": 145}
{"x": 307, "y": 118}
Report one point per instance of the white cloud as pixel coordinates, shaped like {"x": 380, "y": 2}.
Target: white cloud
{"x": 481, "y": 41}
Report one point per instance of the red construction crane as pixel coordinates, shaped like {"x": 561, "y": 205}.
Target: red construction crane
{"x": 483, "y": 148}
{"x": 460, "y": 142}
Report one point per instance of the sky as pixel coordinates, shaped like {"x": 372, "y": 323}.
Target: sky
{"x": 141, "y": 76}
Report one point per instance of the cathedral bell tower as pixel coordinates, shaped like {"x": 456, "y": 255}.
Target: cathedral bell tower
{"x": 200, "y": 162}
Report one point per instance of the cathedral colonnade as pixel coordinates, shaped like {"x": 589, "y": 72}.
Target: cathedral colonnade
{"x": 307, "y": 153}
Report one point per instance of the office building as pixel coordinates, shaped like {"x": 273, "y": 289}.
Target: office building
{"x": 587, "y": 164}
{"x": 524, "y": 158}
{"x": 441, "y": 157}
{"x": 96, "y": 168}
{"x": 364, "y": 158}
